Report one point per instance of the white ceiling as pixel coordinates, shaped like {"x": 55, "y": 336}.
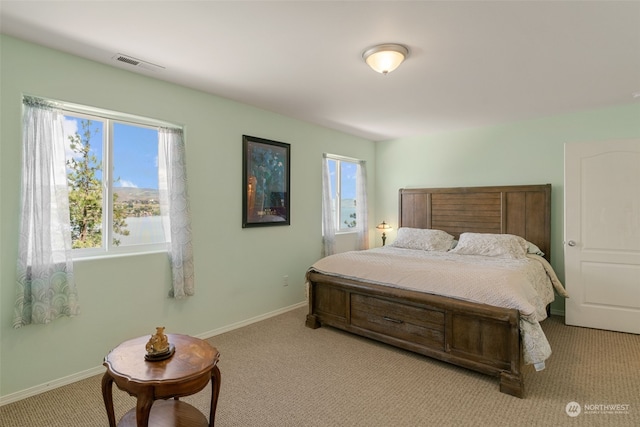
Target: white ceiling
{"x": 471, "y": 63}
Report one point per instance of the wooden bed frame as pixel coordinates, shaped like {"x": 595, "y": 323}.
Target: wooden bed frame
{"x": 475, "y": 336}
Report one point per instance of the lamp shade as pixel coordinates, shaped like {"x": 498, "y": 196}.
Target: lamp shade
{"x": 383, "y": 226}
{"x": 385, "y": 58}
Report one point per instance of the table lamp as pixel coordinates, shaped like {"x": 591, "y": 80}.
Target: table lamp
{"x": 384, "y": 227}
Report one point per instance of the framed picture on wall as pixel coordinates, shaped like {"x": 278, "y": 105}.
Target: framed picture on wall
{"x": 266, "y": 172}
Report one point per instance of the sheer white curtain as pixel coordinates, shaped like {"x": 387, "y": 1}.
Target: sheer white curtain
{"x": 45, "y": 285}
{"x": 328, "y": 214}
{"x": 174, "y": 208}
{"x": 361, "y": 207}
{"x": 328, "y": 221}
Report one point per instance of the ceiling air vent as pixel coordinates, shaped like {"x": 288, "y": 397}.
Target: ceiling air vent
{"x": 137, "y": 62}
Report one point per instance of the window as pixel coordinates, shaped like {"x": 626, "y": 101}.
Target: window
{"x": 344, "y": 201}
{"x": 343, "y": 177}
{"x": 112, "y": 176}
{"x": 69, "y": 192}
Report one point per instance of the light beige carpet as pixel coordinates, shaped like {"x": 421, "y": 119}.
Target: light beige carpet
{"x": 279, "y": 373}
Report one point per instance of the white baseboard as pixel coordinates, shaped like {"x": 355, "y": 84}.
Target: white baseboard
{"x": 237, "y": 325}
{"x": 50, "y": 385}
{"x": 41, "y": 388}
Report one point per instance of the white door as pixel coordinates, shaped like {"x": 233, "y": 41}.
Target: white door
{"x": 602, "y": 235}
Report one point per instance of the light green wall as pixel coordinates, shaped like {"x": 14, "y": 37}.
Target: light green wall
{"x": 239, "y": 272}
{"x": 528, "y": 152}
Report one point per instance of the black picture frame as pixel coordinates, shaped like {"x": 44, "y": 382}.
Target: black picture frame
{"x": 266, "y": 178}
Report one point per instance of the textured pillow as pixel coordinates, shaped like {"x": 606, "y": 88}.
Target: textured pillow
{"x": 423, "y": 239}
{"x": 533, "y": 249}
{"x": 494, "y": 245}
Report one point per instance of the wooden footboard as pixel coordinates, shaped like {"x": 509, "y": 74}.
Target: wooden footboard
{"x": 475, "y": 336}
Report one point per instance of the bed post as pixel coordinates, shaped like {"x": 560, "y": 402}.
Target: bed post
{"x": 512, "y": 382}
{"x": 312, "y": 320}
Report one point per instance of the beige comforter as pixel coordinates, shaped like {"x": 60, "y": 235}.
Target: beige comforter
{"x": 524, "y": 284}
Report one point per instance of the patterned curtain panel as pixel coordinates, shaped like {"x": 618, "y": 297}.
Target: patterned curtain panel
{"x": 328, "y": 221}
{"x": 361, "y": 207}
{"x": 174, "y": 208}
{"x": 45, "y": 286}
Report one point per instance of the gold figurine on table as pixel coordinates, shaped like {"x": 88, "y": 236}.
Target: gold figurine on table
{"x": 158, "y": 346}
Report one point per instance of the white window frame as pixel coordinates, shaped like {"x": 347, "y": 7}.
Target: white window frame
{"x": 109, "y": 118}
{"x": 338, "y": 224}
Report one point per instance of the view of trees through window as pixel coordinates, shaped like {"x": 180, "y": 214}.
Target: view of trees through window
{"x": 343, "y": 187}
{"x": 112, "y": 177}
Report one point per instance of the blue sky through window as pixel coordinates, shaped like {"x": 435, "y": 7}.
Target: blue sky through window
{"x": 343, "y": 181}
{"x": 135, "y": 156}
{"x": 347, "y": 178}
{"x": 135, "y": 151}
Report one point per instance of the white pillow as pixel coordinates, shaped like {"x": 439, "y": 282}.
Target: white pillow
{"x": 533, "y": 249}
{"x": 494, "y": 245}
{"x": 423, "y": 239}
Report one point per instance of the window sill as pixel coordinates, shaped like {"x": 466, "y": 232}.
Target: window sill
{"x": 340, "y": 233}
{"x": 111, "y": 255}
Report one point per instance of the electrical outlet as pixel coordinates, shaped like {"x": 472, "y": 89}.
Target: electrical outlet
{"x": 285, "y": 280}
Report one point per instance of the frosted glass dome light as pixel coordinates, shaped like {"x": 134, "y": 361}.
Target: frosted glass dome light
{"x": 385, "y": 58}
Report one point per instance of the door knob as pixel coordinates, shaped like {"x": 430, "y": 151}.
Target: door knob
{"x": 571, "y": 243}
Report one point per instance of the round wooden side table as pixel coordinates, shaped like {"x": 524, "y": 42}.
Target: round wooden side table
{"x": 186, "y": 372}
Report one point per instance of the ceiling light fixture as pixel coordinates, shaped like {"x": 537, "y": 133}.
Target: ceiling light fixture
{"x": 384, "y": 58}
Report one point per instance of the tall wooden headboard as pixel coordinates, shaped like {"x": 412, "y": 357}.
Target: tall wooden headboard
{"x": 523, "y": 210}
